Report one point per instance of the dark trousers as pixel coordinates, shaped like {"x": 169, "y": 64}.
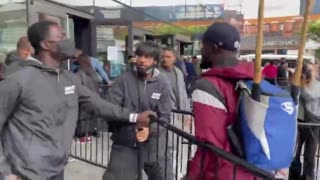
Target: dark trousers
{"x": 309, "y": 137}
{"x": 123, "y": 164}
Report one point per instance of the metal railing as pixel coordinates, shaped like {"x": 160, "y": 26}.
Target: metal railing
{"x": 173, "y": 152}
{"x": 306, "y": 161}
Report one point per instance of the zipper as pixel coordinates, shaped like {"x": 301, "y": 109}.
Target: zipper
{"x": 58, "y": 76}
{"x": 145, "y": 87}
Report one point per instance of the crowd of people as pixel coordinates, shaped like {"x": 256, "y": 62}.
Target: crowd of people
{"x": 42, "y": 105}
{"x": 277, "y": 74}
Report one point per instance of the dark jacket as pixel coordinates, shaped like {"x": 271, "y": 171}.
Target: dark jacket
{"x": 215, "y": 105}
{"x": 283, "y": 76}
{"x": 88, "y": 122}
{"x": 137, "y": 95}
{"x": 12, "y": 57}
{"x": 38, "y": 117}
{"x": 12, "y": 62}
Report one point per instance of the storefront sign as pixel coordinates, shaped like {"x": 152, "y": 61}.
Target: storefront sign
{"x": 280, "y": 43}
{"x": 111, "y": 14}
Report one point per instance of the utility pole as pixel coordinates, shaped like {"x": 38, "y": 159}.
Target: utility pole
{"x": 185, "y": 9}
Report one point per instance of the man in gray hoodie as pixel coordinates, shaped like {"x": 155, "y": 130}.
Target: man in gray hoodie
{"x": 140, "y": 89}
{"x": 309, "y": 112}
{"x": 39, "y": 106}
{"x": 175, "y": 79}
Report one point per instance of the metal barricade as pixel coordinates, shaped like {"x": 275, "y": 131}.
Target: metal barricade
{"x": 92, "y": 147}
{"x": 175, "y": 147}
{"x": 180, "y": 169}
{"x": 306, "y": 160}
{"x": 97, "y": 150}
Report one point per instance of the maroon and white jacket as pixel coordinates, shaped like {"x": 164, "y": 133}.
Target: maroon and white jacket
{"x": 215, "y": 104}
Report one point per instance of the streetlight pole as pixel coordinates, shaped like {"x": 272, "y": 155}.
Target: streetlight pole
{"x": 185, "y": 9}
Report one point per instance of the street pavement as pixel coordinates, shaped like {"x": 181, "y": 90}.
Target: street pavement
{"x": 79, "y": 170}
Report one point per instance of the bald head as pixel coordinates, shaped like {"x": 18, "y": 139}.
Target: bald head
{"x": 24, "y": 48}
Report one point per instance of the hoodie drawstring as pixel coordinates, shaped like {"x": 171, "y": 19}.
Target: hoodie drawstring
{"x": 58, "y": 76}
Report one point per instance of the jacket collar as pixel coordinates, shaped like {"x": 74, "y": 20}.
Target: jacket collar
{"x": 38, "y": 64}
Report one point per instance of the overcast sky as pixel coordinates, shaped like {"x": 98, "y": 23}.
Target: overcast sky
{"x": 273, "y": 8}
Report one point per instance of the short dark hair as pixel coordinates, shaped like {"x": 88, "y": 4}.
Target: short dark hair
{"x": 149, "y": 49}
{"x": 38, "y": 32}
{"x": 170, "y": 50}
{"x": 23, "y": 43}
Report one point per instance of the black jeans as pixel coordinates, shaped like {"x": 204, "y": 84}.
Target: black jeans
{"x": 309, "y": 137}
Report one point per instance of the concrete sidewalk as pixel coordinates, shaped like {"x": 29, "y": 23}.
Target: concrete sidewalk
{"x": 79, "y": 170}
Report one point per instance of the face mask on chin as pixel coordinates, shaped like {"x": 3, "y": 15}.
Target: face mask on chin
{"x": 143, "y": 72}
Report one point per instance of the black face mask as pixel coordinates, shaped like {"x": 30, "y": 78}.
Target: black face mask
{"x": 65, "y": 49}
{"x": 143, "y": 72}
{"x": 205, "y": 64}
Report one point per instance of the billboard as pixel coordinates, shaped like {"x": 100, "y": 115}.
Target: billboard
{"x": 316, "y": 7}
{"x": 188, "y": 12}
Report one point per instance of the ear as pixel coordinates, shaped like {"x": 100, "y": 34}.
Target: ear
{"x": 45, "y": 45}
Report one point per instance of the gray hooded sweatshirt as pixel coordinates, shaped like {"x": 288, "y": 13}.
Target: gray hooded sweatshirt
{"x": 309, "y": 107}
{"x": 179, "y": 97}
{"x": 138, "y": 95}
{"x": 38, "y": 116}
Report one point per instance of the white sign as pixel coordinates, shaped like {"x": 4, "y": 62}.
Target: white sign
{"x": 113, "y": 53}
{"x": 111, "y": 14}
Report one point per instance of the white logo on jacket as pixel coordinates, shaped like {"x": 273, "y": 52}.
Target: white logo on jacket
{"x": 69, "y": 89}
{"x": 156, "y": 96}
{"x": 288, "y": 107}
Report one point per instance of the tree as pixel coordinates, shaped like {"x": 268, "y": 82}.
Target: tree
{"x": 314, "y": 33}
{"x": 314, "y": 30}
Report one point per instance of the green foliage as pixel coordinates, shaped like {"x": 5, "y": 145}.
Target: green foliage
{"x": 314, "y": 30}
{"x": 167, "y": 29}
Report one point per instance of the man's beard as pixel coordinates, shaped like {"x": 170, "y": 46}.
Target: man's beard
{"x": 143, "y": 72}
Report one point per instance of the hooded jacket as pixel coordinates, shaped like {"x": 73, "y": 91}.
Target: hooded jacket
{"x": 129, "y": 91}
{"x": 309, "y": 107}
{"x": 12, "y": 58}
{"x": 211, "y": 93}
{"x": 180, "y": 98}
{"x": 38, "y": 116}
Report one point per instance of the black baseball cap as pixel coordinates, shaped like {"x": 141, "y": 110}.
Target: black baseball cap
{"x": 223, "y": 35}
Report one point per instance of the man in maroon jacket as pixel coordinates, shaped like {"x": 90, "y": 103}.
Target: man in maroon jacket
{"x": 215, "y": 101}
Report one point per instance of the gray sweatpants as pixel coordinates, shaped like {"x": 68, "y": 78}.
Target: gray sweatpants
{"x": 123, "y": 164}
